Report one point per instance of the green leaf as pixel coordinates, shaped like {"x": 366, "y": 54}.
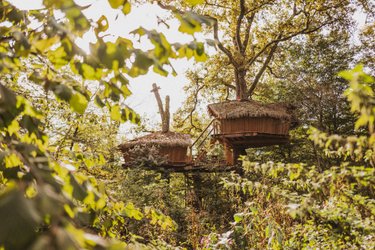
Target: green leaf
{"x": 102, "y": 25}
{"x": 132, "y": 212}
{"x": 69, "y": 210}
{"x": 194, "y": 2}
{"x": 191, "y": 22}
{"x": 127, "y": 8}
{"x": 45, "y": 44}
{"x": 116, "y": 113}
{"x": 238, "y": 217}
{"x": 99, "y": 102}
{"x": 78, "y": 103}
{"x": 12, "y": 160}
{"x": 14, "y": 127}
{"x": 62, "y": 91}
{"x": 124, "y": 4}
{"x": 116, "y": 3}
{"x": 160, "y": 70}
{"x": 188, "y": 25}
{"x": 141, "y": 64}
{"x": 199, "y": 54}
{"x": 19, "y": 220}
{"x": 125, "y": 91}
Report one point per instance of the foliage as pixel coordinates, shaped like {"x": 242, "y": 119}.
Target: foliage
{"x": 253, "y": 34}
{"x": 49, "y": 197}
{"x": 265, "y": 46}
{"x": 299, "y": 206}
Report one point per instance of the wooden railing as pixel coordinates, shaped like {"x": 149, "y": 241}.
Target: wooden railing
{"x": 212, "y": 128}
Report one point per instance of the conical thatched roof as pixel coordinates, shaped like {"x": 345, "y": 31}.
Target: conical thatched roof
{"x": 239, "y": 109}
{"x": 168, "y": 139}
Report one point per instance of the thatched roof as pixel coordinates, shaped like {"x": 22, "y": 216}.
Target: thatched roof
{"x": 239, "y": 109}
{"x": 168, "y": 139}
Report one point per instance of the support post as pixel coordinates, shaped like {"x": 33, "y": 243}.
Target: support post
{"x": 228, "y": 154}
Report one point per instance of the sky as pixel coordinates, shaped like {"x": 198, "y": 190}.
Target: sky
{"x": 145, "y": 15}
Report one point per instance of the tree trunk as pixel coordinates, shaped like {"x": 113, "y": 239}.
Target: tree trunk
{"x": 241, "y": 86}
{"x": 164, "y": 112}
{"x": 166, "y": 116}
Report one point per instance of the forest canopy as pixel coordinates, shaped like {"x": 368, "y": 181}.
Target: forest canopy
{"x": 63, "y": 184}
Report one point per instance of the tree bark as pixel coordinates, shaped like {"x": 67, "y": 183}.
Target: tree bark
{"x": 241, "y": 86}
{"x": 164, "y": 112}
{"x": 166, "y": 118}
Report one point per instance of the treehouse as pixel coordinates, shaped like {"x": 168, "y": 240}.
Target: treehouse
{"x": 163, "y": 148}
{"x": 167, "y": 148}
{"x": 244, "y": 124}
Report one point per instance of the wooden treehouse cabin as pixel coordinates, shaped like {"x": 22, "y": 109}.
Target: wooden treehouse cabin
{"x": 162, "y": 148}
{"x": 165, "y": 148}
{"x": 239, "y": 125}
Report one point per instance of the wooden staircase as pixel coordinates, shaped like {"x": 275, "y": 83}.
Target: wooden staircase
{"x": 197, "y": 152}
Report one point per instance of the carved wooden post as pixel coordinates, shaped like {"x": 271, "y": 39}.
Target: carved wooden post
{"x": 164, "y": 112}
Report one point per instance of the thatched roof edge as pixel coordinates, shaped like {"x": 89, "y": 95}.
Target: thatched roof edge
{"x": 169, "y": 139}
{"x": 239, "y": 109}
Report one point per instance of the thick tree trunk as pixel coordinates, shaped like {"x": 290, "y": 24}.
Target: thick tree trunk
{"x": 241, "y": 86}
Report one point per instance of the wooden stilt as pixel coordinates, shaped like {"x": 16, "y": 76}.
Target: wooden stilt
{"x": 228, "y": 154}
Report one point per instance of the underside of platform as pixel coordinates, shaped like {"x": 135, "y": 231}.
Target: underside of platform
{"x": 251, "y": 139}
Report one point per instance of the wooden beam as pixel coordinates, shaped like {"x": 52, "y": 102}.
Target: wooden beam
{"x": 201, "y": 168}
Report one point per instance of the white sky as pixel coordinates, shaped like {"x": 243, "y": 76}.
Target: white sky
{"x": 145, "y": 15}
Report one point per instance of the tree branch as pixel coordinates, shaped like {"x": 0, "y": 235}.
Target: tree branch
{"x": 217, "y": 5}
{"x": 239, "y": 24}
{"x": 262, "y": 69}
{"x": 304, "y": 31}
{"x": 220, "y": 45}
{"x": 250, "y": 21}
{"x": 215, "y": 29}
{"x": 190, "y": 116}
{"x": 164, "y": 113}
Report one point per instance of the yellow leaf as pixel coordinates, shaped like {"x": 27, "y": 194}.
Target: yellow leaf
{"x": 127, "y": 8}
{"x": 45, "y": 44}
{"x": 12, "y": 160}
{"x": 69, "y": 211}
{"x": 13, "y": 127}
{"x": 194, "y": 2}
{"x": 78, "y": 103}
{"x": 115, "y": 113}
